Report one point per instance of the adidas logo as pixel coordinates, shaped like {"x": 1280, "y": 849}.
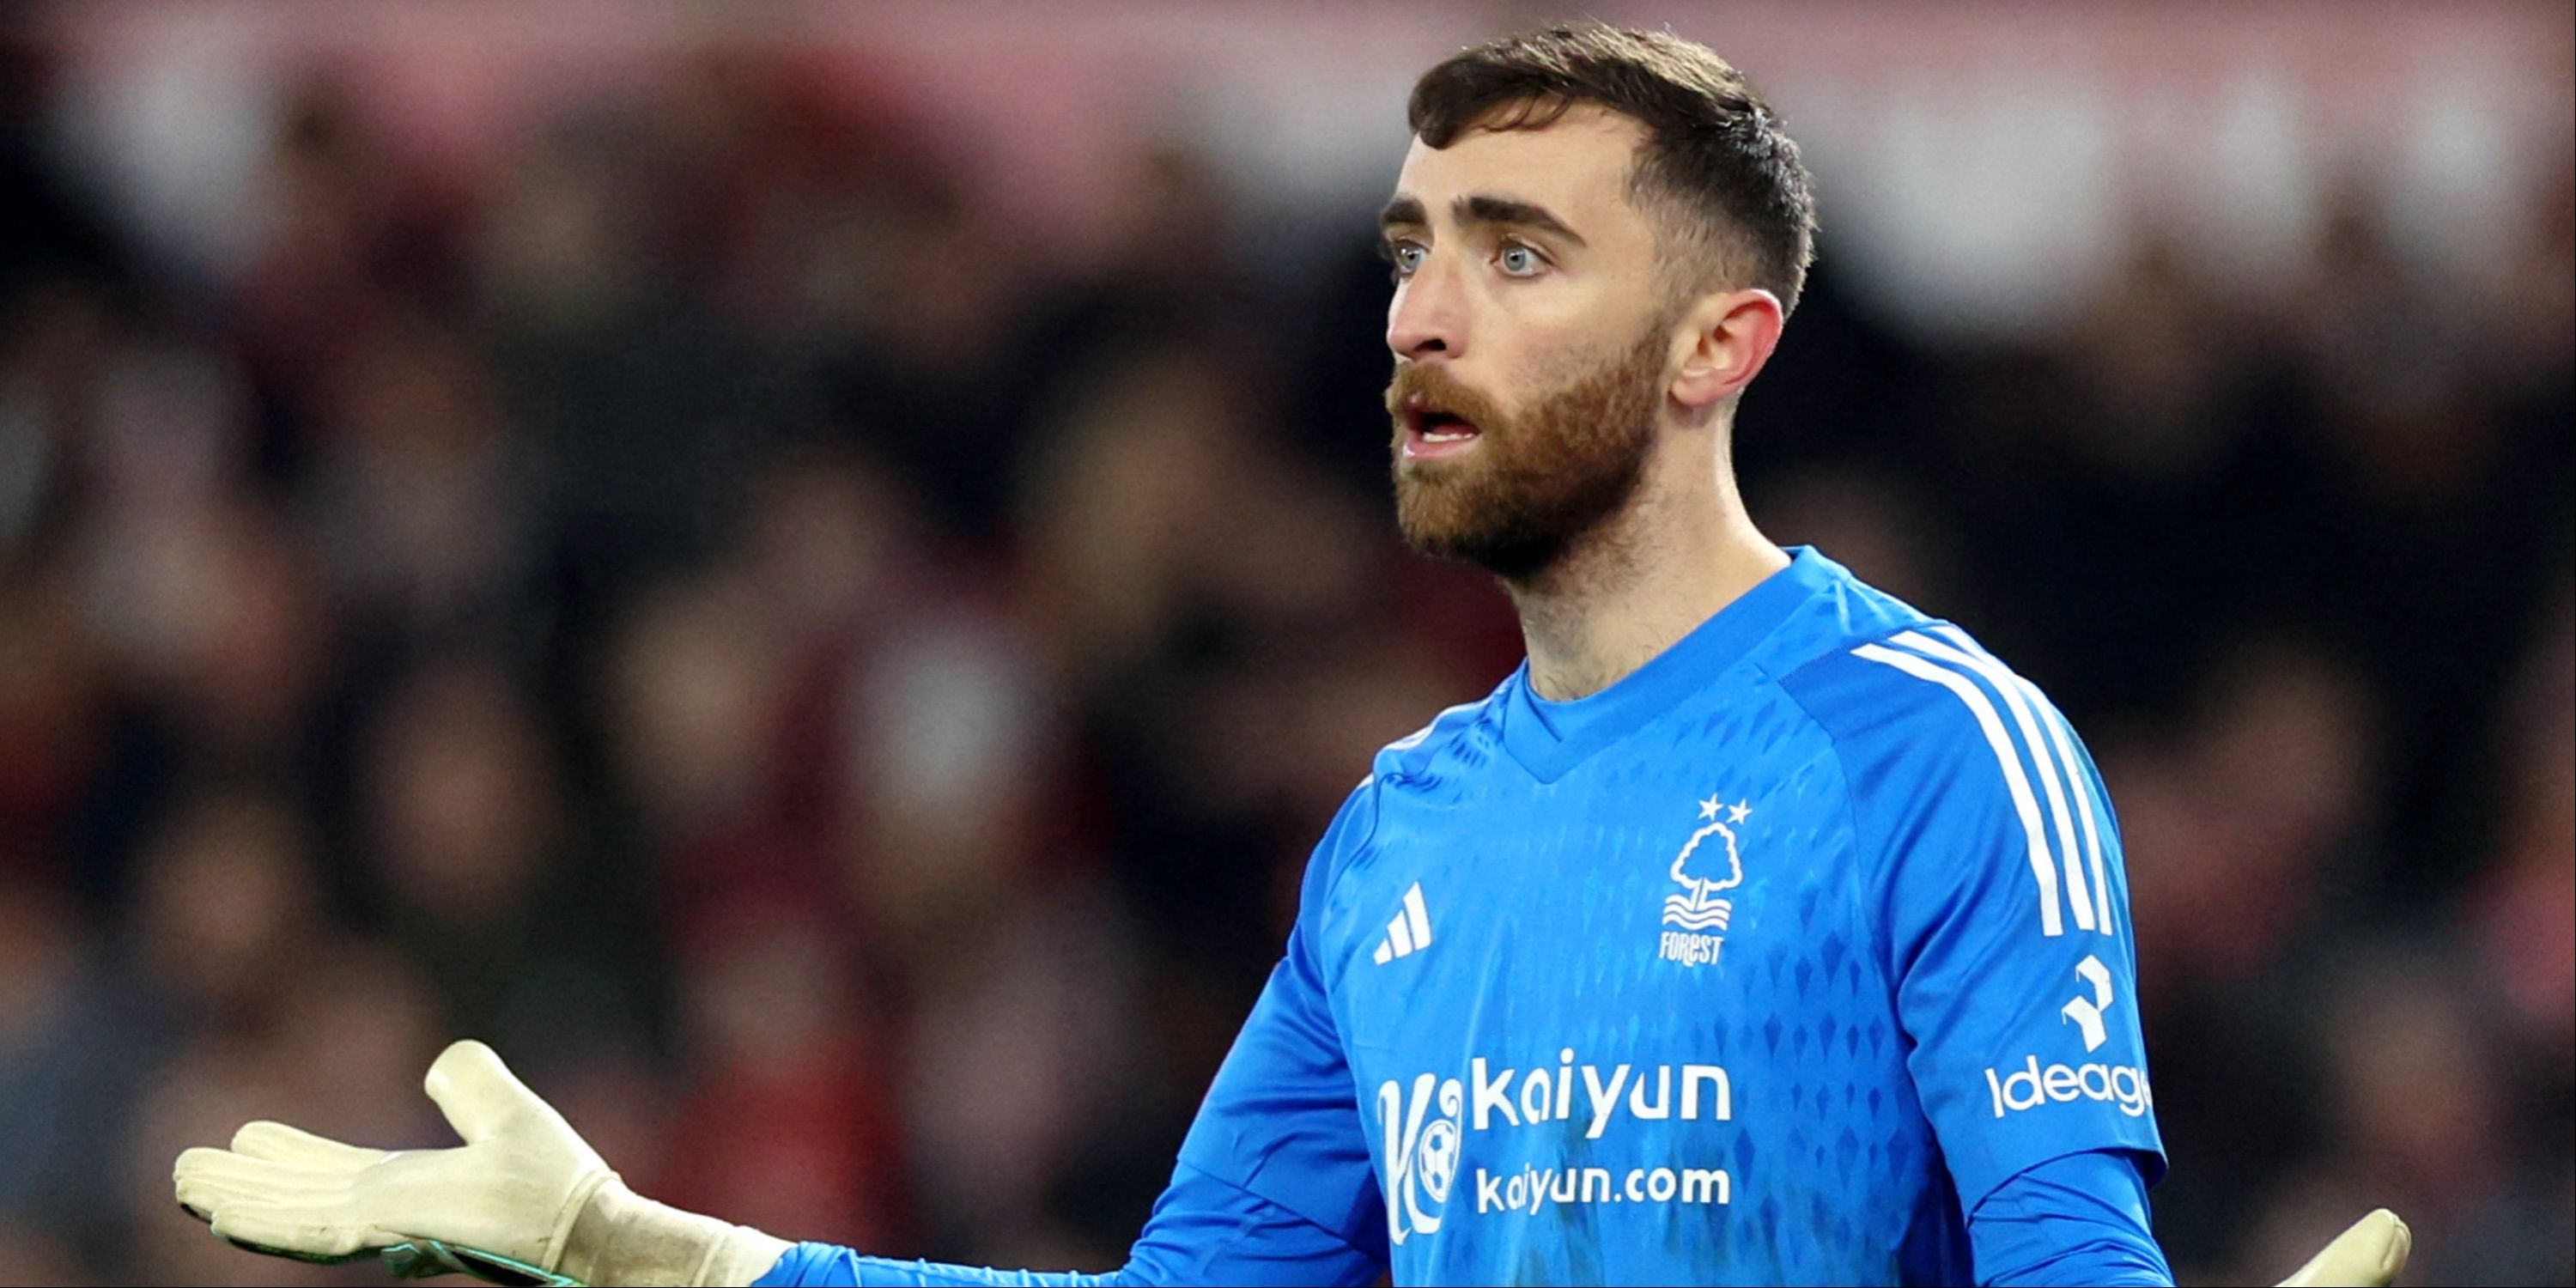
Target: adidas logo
{"x": 1410, "y": 932}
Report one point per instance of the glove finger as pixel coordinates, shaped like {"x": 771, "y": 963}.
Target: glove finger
{"x": 205, "y": 1195}
{"x": 243, "y": 1168}
{"x": 279, "y": 1143}
{"x": 288, "y": 1230}
{"x": 211, "y": 1198}
{"x": 266, "y": 1251}
{"x": 2376, "y": 1247}
{"x": 300, "y": 1187}
{"x": 476, "y": 1091}
{"x": 2368, "y": 1255}
{"x": 223, "y": 1165}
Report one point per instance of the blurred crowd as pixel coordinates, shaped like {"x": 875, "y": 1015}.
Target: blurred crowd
{"x": 839, "y": 692}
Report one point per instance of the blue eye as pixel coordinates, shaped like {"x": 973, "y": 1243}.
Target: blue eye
{"x": 1406, "y": 256}
{"x": 1520, "y": 261}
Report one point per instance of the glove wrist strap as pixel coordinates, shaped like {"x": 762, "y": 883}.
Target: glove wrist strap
{"x": 621, "y": 1237}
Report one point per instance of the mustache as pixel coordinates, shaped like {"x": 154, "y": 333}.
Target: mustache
{"x": 1435, "y": 386}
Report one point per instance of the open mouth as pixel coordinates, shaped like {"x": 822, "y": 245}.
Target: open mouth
{"x": 1432, "y": 431}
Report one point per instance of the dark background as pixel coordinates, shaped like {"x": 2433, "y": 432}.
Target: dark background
{"x": 812, "y": 577}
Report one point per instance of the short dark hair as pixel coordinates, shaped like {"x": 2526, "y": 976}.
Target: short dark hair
{"x": 1714, "y": 155}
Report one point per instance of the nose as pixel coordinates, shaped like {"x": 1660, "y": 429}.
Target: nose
{"x": 1426, "y": 319}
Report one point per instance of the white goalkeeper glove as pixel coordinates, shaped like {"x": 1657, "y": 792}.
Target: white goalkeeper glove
{"x": 523, "y": 1201}
{"x": 2368, "y": 1255}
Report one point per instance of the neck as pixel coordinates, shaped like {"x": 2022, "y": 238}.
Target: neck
{"x": 1621, "y": 594}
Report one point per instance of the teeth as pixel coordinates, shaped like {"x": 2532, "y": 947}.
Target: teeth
{"x": 1450, "y": 436}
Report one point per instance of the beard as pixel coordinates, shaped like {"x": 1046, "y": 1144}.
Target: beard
{"x": 1534, "y": 484}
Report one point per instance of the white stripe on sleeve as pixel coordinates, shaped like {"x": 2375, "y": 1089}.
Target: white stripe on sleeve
{"x": 1992, "y": 726}
{"x": 1964, "y": 652}
{"x": 2076, "y": 783}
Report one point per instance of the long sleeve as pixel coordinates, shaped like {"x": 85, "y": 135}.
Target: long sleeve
{"x": 1203, "y": 1231}
{"x": 2007, "y": 923}
{"x": 2076, "y": 1219}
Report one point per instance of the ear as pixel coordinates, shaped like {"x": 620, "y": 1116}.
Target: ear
{"x": 1725, "y": 340}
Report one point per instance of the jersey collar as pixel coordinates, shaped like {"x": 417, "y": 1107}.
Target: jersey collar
{"x": 1550, "y": 738}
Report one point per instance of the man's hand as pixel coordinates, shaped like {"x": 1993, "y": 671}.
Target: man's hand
{"x": 524, "y": 1201}
{"x": 2368, "y": 1255}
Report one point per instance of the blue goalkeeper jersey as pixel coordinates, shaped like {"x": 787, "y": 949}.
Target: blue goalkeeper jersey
{"x": 1760, "y": 966}
{"x": 1766, "y": 964}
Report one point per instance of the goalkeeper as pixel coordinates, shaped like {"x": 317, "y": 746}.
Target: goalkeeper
{"x": 1758, "y": 929}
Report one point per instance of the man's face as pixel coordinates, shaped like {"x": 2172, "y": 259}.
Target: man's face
{"x": 1530, "y": 339}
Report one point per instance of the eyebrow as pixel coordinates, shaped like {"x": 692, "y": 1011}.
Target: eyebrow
{"x": 1403, "y": 212}
{"x": 1407, "y": 212}
{"x": 1518, "y": 214}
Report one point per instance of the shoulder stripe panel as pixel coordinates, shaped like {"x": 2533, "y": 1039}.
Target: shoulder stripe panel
{"x": 1992, "y": 725}
{"x": 2077, "y": 785}
{"x": 2056, "y": 722}
{"x": 2079, "y": 895}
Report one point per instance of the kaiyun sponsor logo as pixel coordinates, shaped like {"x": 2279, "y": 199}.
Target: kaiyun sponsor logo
{"x": 1425, "y": 1125}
